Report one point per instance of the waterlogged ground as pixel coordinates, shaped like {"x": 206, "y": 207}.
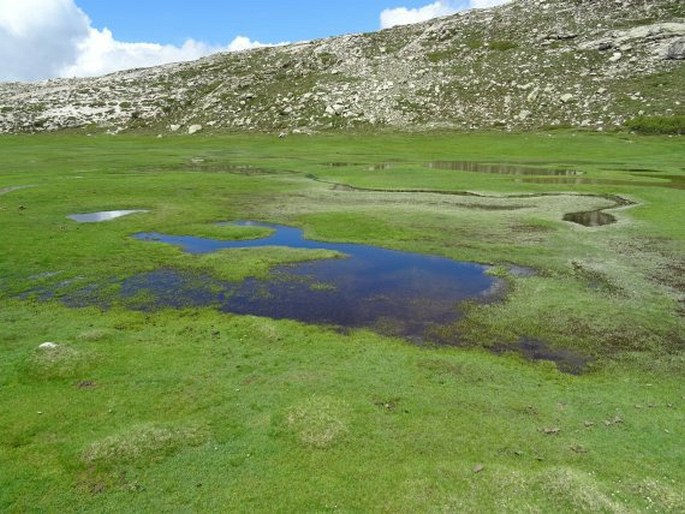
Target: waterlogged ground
{"x": 402, "y": 293}
{"x": 189, "y": 407}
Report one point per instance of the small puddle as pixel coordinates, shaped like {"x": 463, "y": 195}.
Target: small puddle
{"x": 566, "y": 361}
{"x": 590, "y": 218}
{"x": 597, "y": 217}
{"x": 499, "y": 169}
{"x": 97, "y": 217}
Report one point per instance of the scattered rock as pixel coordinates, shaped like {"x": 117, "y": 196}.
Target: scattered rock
{"x": 676, "y": 51}
{"x": 551, "y": 430}
{"x": 427, "y": 75}
{"x": 48, "y": 346}
{"x": 478, "y": 468}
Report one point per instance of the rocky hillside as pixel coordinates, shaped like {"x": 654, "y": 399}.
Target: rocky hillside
{"x": 523, "y": 65}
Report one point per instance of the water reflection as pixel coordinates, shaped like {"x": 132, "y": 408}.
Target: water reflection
{"x": 669, "y": 181}
{"x": 96, "y": 217}
{"x": 500, "y": 169}
{"x": 590, "y": 218}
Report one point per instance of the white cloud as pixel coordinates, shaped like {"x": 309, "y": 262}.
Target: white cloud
{"x": 38, "y": 37}
{"x": 245, "y": 43}
{"x": 100, "y": 53}
{"x": 405, "y": 16}
{"x": 54, "y": 38}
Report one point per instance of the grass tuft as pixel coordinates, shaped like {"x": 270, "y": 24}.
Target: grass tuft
{"x": 140, "y": 443}
{"x": 318, "y": 422}
{"x": 577, "y": 490}
{"x": 60, "y": 361}
{"x": 661, "y": 497}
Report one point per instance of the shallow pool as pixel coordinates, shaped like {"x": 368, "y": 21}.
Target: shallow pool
{"x": 401, "y": 293}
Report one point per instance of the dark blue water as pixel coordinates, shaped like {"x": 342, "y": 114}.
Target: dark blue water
{"x": 402, "y": 293}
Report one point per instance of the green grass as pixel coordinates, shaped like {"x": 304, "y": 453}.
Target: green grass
{"x": 196, "y": 410}
{"x": 503, "y": 45}
{"x": 658, "y": 124}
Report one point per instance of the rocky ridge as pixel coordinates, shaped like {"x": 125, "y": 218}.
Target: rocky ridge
{"x": 523, "y": 65}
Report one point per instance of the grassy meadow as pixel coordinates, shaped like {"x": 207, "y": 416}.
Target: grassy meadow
{"x": 196, "y": 410}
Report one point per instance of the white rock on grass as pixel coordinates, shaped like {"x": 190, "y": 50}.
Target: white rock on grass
{"x": 48, "y": 345}
{"x": 193, "y": 129}
{"x": 676, "y": 51}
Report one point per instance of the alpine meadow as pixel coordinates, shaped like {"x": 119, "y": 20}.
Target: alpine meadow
{"x": 435, "y": 268}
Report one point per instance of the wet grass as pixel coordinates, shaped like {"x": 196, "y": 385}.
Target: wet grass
{"x": 203, "y": 411}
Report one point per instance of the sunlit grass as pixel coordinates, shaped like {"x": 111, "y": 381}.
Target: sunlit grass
{"x": 199, "y": 410}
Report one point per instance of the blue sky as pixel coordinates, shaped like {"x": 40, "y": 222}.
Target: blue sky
{"x": 218, "y": 22}
{"x": 41, "y": 39}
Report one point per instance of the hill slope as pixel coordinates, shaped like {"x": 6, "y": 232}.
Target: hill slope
{"x": 523, "y": 65}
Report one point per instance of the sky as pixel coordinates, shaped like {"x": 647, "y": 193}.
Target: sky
{"x": 42, "y": 39}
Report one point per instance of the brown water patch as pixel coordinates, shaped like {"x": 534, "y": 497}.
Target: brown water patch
{"x": 567, "y": 361}
{"x": 597, "y": 217}
{"x": 590, "y": 218}
{"x": 677, "y": 181}
{"x": 499, "y": 169}
{"x": 670, "y": 181}
{"x": 382, "y": 166}
{"x": 343, "y": 164}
